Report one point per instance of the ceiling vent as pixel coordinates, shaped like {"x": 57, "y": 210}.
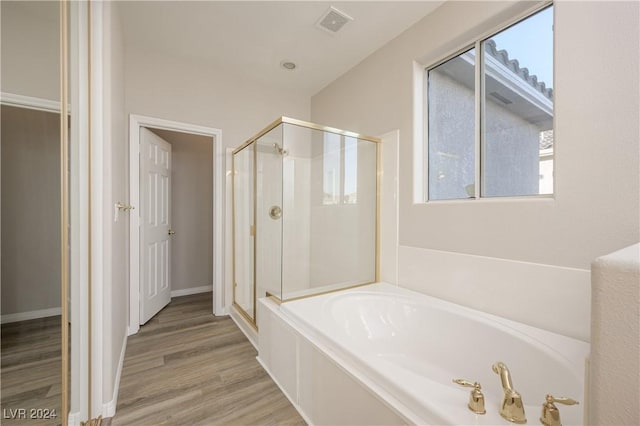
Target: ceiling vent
{"x": 333, "y": 20}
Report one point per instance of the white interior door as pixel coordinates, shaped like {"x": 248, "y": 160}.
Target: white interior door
{"x": 155, "y": 224}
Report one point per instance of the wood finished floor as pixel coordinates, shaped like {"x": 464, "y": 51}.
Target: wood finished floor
{"x": 187, "y": 367}
{"x": 31, "y": 369}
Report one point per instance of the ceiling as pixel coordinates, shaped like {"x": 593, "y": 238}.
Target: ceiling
{"x": 251, "y": 38}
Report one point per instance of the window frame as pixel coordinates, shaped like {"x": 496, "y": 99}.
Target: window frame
{"x": 479, "y": 114}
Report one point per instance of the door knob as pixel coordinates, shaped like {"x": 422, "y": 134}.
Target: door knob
{"x": 171, "y": 232}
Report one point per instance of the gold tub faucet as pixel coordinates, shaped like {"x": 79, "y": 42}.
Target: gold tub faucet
{"x": 512, "y": 407}
{"x": 476, "y": 398}
{"x": 550, "y": 413}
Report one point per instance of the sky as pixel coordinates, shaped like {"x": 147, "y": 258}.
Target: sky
{"x": 531, "y": 43}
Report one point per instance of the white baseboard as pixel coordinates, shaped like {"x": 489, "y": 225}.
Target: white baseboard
{"x": 109, "y": 408}
{"x": 192, "y": 290}
{"x": 25, "y": 316}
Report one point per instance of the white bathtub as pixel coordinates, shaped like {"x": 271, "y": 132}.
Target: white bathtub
{"x": 404, "y": 348}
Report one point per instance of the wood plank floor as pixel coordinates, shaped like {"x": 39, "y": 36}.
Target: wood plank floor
{"x": 31, "y": 369}
{"x": 187, "y": 367}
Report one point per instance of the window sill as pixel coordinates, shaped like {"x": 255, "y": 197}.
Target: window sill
{"x": 491, "y": 200}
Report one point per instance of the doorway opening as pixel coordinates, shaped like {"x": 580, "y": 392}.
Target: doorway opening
{"x": 31, "y": 285}
{"x": 176, "y": 230}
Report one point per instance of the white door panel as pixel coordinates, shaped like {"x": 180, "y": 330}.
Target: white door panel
{"x": 155, "y": 241}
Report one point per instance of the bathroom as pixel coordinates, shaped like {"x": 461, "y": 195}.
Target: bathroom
{"x": 528, "y": 260}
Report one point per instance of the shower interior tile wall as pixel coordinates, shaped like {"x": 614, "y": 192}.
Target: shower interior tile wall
{"x": 530, "y": 293}
{"x": 296, "y": 184}
{"x": 294, "y": 251}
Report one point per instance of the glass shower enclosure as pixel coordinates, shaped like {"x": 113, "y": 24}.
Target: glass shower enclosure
{"x": 305, "y": 212}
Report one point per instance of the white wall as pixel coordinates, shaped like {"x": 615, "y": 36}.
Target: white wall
{"x": 30, "y": 213}
{"x": 615, "y": 345}
{"x": 388, "y": 221}
{"x": 183, "y": 90}
{"x": 116, "y": 188}
{"x": 596, "y": 207}
{"x": 30, "y": 66}
{"x": 30, "y": 45}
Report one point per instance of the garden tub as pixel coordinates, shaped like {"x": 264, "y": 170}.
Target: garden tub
{"x": 402, "y": 350}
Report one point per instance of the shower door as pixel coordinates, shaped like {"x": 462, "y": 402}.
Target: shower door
{"x": 244, "y": 230}
{"x": 257, "y": 221}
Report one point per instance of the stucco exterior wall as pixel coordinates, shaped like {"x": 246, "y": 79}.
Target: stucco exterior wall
{"x": 510, "y": 165}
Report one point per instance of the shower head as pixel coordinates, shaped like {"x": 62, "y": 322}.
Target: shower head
{"x": 280, "y": 150}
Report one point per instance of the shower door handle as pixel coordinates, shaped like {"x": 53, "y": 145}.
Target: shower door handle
{"x": 275, "y": 212}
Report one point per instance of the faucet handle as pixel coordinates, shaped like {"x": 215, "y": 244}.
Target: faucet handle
{"x": 476, "y": 398}
{"x": 466, "y": 383}
{"x": 550, "y": 414}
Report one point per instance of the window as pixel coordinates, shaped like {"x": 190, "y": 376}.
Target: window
{"x": 490, "y": 116}
{"x": 331, "y": 162}
{"x": 340, "y": 169}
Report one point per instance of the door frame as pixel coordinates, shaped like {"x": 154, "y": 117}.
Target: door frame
{"x": 135, "y": 123}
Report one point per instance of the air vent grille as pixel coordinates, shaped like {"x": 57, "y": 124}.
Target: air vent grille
{"x": 333, "y": 20}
